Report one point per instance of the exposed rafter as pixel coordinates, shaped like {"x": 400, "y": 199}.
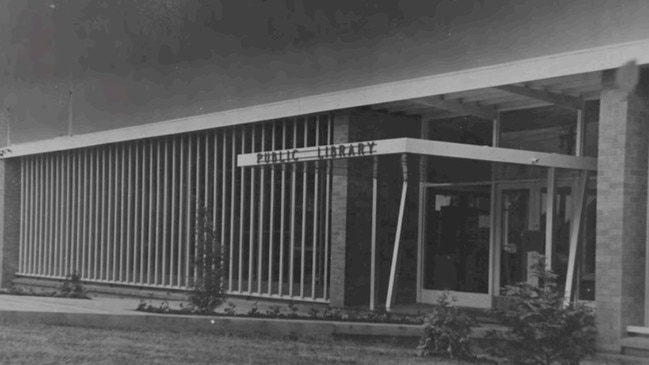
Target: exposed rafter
{"x": 563, "y": 100}
{"x": 439, "y": 115}
{"x": 462, "y": 108}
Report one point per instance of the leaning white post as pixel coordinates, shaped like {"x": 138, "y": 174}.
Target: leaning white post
{"x": 575, "y": 228}
{"x": 397, "y": 237}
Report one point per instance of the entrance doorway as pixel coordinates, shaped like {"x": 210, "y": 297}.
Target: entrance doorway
{"x": 456, "y": 243}
{"x": 521, "y": 233}
{"x": 477, "y": 238}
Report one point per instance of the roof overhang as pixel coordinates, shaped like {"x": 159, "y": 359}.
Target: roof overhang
{"x": 574, "y": 74}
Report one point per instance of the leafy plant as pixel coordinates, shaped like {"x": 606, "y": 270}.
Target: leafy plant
{"x": 231, "y": 309}
{"x": 447, "y": 330}
{"x": 292, "y": 310}
{"x": 332, "y": 314}
{"x": 208, "y": 292}
{"x": 254, "y": 310}
{"x": 274, "y": 311}
{"x": 313, "y": 313}
{"x": 72, "y": 287}
{"x": 542, "y": 329}
{"x": 144, "y": 306}
{"x": 379, "y": 315}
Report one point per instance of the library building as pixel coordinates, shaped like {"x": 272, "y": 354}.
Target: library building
{"x": 380, "y": 178}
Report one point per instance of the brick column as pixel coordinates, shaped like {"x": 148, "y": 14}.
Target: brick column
{"x": 621, "y": 211}
{"x": 9, "y": 211}
{"x": 339, "y": 215}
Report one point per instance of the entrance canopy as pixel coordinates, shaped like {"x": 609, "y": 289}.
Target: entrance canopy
{"x": 419, "y": 147}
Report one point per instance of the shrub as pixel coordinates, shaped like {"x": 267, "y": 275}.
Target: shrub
{"x": 231, "y": 309}
{"x": 541, "y": 329}
{"x": 274, "y": 311}
{"x": 254, "y": 310}
{"x": 293, "y": 310}
{"x": 72, "y": 287}
{"x": 447, "y": 330}
{"x": 208, "y": 292}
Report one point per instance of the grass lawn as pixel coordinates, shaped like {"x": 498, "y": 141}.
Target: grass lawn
{"x": 42, "y": 344}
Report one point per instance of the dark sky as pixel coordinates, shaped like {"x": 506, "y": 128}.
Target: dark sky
{"x": 71, "y": 38}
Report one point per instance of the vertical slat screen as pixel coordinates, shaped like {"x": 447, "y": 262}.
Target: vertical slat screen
{"x": 126, "y": 213}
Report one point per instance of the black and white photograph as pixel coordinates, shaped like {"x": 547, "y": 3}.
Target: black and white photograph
{"x": 324, "y": 182}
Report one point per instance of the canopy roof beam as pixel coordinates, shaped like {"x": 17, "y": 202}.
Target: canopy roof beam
{"x": 567, "y": 101}
{"x": 459, "y": 107}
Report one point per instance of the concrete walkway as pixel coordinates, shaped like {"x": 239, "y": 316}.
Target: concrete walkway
{"x": 117, "y": 313}
{"x": 24, "y": 303}
{"x": 121, "y": 306}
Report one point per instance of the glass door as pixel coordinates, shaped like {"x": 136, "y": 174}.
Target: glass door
{"x": 522, "y": 216}
{"x": 456, "y": 244}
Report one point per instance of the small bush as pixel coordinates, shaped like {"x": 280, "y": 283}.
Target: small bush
{"x": 254, "y": 310}
{"x": 447, "y": 330}
{"x": 72, "y": 287}
{"x": 541, "y": 328}
{"x": 314, "y": 313}
{"x": 274, "y": 311}
{"x": 231, "y": 309}
{"x": 208, "y": 292}
{"x": 292, "y": 310}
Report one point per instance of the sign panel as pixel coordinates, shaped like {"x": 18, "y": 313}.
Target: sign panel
{"x": 326, "y": 152}
{"x": 418, "y": 147}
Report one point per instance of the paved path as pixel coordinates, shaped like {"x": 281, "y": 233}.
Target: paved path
{"x": 112, "y": 305}
{"x": 25, "y": 303}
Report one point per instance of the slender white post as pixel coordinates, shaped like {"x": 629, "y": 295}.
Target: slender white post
{"x": 373, "y": 255}
{"x": 271, "y": 237}
{"x": 262, "y": 176}
{"x": 85, "y": 216}
{"x": 251, "y": 234}
{"x": 96, "y": 212}
{"x": 575, "y": 228}
{"x": 292, "y": 219}
{"x": 224, "y": 172}
{"x": 188, "y": 211}
{"x": 181, "y": 205}
{"x": 233, "y": 194}
{"x": 549, "y": 217}
{"x": 327, "y": 229}
{"x": 316, "y": 197}
{"x": 58, "y": 213}
{"x": 113, "y": 188}
{"x": 79, "y": 199}
{"x": 67, "y": 238}
{"x": 166, "y": 276}
{"x": 281, "y": 215}
{"x": 141, "y": 171}
{"x": 304, "y": 188}
{"x": 397, "y": 238}
{"x": 242, "y": 183}
{"x": 173, "y": 253}
{"x": 149, "y": 265}
{"x": 23, "y": 217}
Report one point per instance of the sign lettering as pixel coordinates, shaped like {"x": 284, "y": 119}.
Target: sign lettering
{"x": 328, "y": 152}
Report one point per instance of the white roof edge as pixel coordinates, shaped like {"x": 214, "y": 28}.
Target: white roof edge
{"x": 556, "y": 65}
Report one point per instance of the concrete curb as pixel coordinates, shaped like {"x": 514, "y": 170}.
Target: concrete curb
{"x": 212, "y": 324}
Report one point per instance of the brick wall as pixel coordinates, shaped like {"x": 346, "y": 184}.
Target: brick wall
{"x": 352, "y": 204}
{"x": 9, "y": 212}
{"x": 621, "y": 211}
